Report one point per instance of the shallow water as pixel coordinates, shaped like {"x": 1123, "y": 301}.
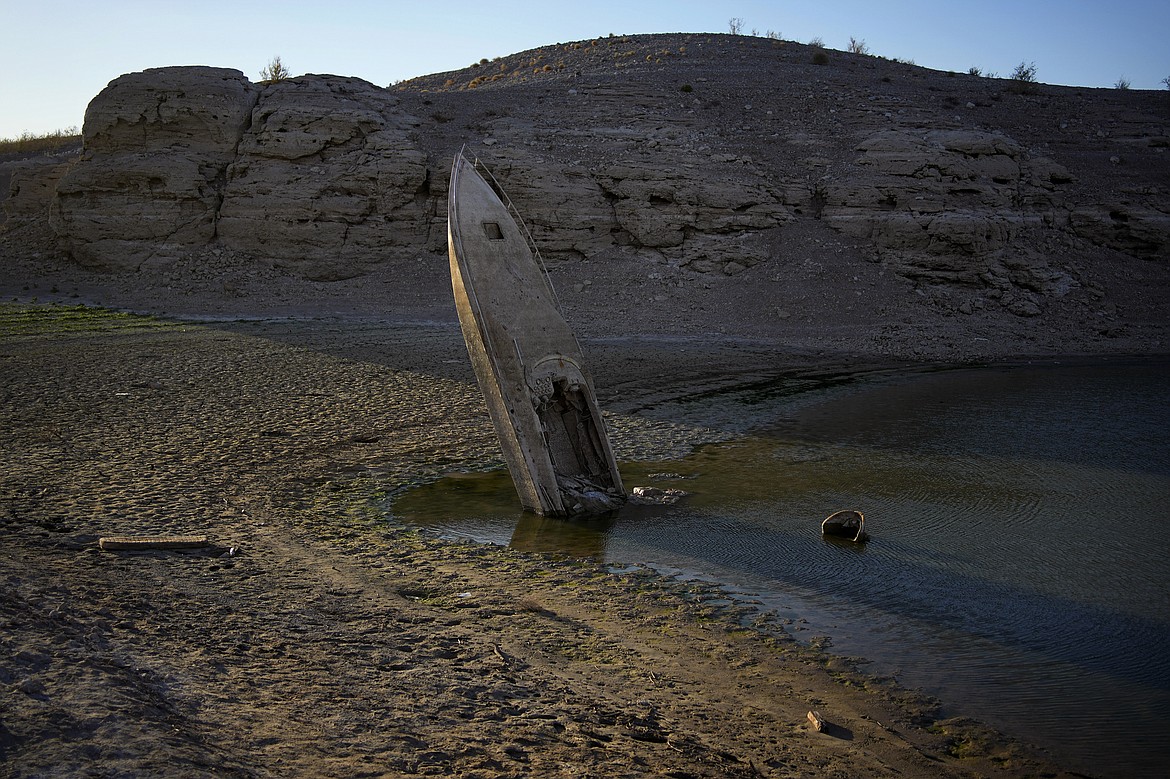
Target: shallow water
{"x": 1019, "y": 566}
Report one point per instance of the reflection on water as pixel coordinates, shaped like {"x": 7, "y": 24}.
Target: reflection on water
{"x": 1019, "y": 561}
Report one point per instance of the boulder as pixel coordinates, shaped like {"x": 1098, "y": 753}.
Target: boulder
{"x": 156, "y": 148}
{"x": 318, "y": 174}
{"x": 120, "y": 212}
{"x": 201, "y": 111}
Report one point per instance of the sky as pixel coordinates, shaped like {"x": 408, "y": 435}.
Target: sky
{"x": 56, "y": 55}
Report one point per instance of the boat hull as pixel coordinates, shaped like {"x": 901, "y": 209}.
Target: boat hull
{"x": 526, "y": 359}
{"x": 848, "y": 524}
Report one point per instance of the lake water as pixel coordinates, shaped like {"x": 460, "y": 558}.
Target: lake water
{"x": 1019, "y": 567}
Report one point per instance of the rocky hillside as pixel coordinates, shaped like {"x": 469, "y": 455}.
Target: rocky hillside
{"x": 794, "y": 187}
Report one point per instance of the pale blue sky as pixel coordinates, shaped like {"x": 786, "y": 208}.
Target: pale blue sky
{"x": 55, "y": 55}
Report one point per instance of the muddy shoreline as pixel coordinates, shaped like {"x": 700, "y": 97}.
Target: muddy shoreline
{"x": 316, "y": 639}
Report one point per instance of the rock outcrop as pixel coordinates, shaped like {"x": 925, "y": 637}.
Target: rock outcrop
{"x": 1137, "y": 230}
{"x": 150, "y": 180}
{"x": 709, "y": 155}
{"x": 326, "y": 175}
{"x": 327, "y": 179}
{"x": 31, "y": 186}
{"x": 704, "y": 216}
{"x": 950, "y": 207}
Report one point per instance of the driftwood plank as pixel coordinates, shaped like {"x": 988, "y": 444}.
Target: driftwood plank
{"x": 153, "y": 542}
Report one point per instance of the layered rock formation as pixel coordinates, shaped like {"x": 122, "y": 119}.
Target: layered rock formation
{"x": 702, "y": 216}
{"x": 946, "y": 207}
{"x": 149, "y": 183}
{"x": 28, "y": 188}
{"x": 704, "y": 154}
{"x": 319, "y": 174}
{"x": 327, "y": 179}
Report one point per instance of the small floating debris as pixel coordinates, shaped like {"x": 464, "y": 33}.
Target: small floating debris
{"x": 111, "y": 543}
{"x": 848, "y": 524}
{"x": 665, "y": 497}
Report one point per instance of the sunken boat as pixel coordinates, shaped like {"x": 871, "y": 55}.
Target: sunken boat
{"x": 526, "y": 358}
{"x": 848, "y": 524}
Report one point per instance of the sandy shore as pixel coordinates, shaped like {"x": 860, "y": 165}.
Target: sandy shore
{"x": 315, "y": 638}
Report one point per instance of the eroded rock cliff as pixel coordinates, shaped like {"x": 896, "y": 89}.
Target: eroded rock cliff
{"x": 327, "y": 179}
{"x": 691, "y": 156}
{"x": 150, "y": 180}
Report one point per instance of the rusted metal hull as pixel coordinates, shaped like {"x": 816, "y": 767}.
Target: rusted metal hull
{"x": 526, "y": 359}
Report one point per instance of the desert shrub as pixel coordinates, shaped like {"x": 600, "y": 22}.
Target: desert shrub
{"x": 1025, "y": 72}
{"x": 1166, "y": 81}
{"x": 1122, "y": 83}
{"x": 735, "y": 25}
{"x": 857, "y": 47}
{"x": 274, "y": 71}
{"x": 686, "y": 88}
{"x": 772, "y": 34}
{"x": 46, "y": 143}
{"x": 1023, "y": 78}
{"x": 817, "y": 43}
{"x": 820, "y": 57}
{"x": 975, "y": 71}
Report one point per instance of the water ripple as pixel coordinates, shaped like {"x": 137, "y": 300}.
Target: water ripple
{"x": 1018, "y": 563}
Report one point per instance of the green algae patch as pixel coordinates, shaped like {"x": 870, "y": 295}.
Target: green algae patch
{"x": 24, "y": 320}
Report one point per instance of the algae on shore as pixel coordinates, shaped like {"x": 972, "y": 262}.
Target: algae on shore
{"x": 320, "y": 639}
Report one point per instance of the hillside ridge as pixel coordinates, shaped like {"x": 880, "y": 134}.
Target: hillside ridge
{"x": 679, "y": 183}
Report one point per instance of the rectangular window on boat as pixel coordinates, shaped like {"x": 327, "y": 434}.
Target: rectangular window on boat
{"x": 494, "y": 233}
